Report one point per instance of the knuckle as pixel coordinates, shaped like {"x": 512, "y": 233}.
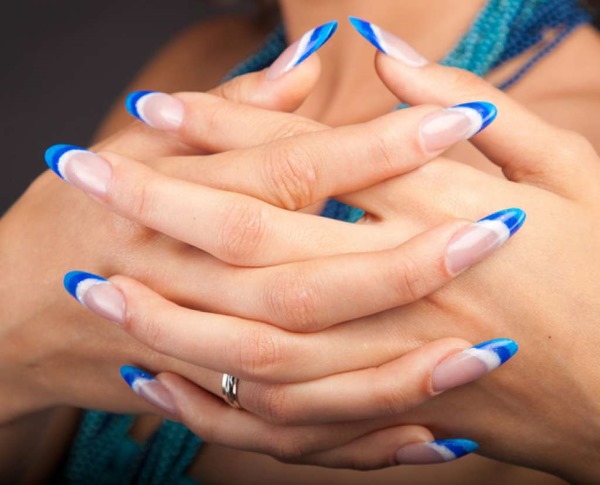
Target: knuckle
{"x": 147, "y": 329}
{"x": 390, "y": 399}
{"x": 273, "y": 405}
{"x": 260, "y": 354}
{"x": 380, "y": 150}
{"x": 139, "y": 200}
{"x": 232, "y": 90}
{"x": 462, "y": 80}
{"x": 292, "y": 300}
{"x": 408, "y": 280}
{"x": 294, "y": 127}
{"x": 241, "y": 232}
{"x": 291, "y": 174}
{"x": 289, "y": 447}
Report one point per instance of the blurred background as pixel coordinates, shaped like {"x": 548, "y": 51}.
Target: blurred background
{"x": 63, "y": 64}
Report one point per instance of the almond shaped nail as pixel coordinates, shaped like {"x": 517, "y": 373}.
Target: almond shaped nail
{"x": 97, "y": 294}
{"x": 388, "y": 43}
{"x": 442, "y": 129}
{"x": 80, "y": 167}
{"x": 301, "y": 50}
{"x": 480, "y": 239}
{"x": 440, "y": 451}
{"x": 149, "y": 389}
{"x": 471, "y": 364}
{"x": 158, "y": 110}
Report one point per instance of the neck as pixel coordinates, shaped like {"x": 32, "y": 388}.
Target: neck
{"x": 433, "y": 27}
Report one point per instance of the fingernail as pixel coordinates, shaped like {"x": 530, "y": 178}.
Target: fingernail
{"x": 96, "y": 293}
{"x": 444, "y": 128}
{"x": 80, "y": 167}
{"x": 477, "y": 241}
{"x": 471, "y": 364}
{"x": 149, "y": 388}
{"x": 388, "y": 43}
{"x": 158, "y": 110}
{"x": 301, "y": 50}
{"x": 440, "y": 451}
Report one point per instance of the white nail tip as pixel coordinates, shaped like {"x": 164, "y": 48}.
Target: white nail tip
{"x": 489, "y": 358}
{"x": 83, "y": 287}
{"x": 64, "y": 160}
{"x": 444, "y": 452}
{"x": 474, "y": 117}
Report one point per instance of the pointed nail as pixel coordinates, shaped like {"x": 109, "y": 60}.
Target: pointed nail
{"x": 301, "y": 50}
{"x": 471, "y": 364}
{"x": 80, "y": 167}
{"x": 97, "y": 294}
{"x": 477, "y": 241}
{"x": 440, "y": 451}
{"x": 158, "y": 110}
{"x": 444, "y": 128}
{"x": 388, "y": 43}
{"x": 149, "y": 388}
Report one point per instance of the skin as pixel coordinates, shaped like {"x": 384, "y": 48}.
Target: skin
{"x": 583, "y": 43}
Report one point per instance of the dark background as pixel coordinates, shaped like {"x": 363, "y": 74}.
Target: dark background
{"x": 63, "y": 64}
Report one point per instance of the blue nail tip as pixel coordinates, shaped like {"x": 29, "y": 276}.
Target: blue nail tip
{"x": 131, "y": 374}
{"x": 458, "y": 447}
{"x": 53, "y": 155}
{"x": 513, "y": 219}
{"x": 132, "y": 101}
{"x": 504, "y": 348}
{"x": 487, "y": 111}
{"x": 365, "y": 29}
{"x": 72, "y": 280}
{"x": 319, "y": 36}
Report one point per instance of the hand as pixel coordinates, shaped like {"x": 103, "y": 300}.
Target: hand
{"x": 52, "y": 353}
{"x": 554, "y": 175}
{"x": 114, "y": 181}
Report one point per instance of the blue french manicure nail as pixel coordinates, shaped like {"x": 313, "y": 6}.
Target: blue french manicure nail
{"x": 369, "y": 31}
{"x": 301, "y": 50}
{"x": 134, "y": 377}
{"x": 78, "y": 282}
{"x": 507, "y": 221}
{"x": 312, "y": 41}
{"x": 56, "y": 157}
{"x": 132, "y": 103}
{"x": 149, "y": 388}
{"x": 480, "y": 239}
{"x": 440, "y": 451}
{"x": 454, "y": 449}
{"x": 388, "y": 43}
{"x": 481, "y": 112}
{"x": 496, "y": 352}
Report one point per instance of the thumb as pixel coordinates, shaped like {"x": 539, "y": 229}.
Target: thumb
{"x": 283, "y": 86}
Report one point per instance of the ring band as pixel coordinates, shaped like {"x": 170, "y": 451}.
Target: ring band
{"x": 229, "y": 388}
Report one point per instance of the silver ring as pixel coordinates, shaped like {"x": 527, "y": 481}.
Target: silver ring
{"x": 229, "y": 388}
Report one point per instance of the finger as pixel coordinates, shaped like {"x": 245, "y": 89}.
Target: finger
{"x": 198, "y": 119}
{"x": 521, "y": 143}
{"x": 336, "y": 445}
{"x": 298, "y": 171}
{"x": 283, "y": 92}
{"x": 244, "y": 348}
{"x": 400, "y": 445}
{"x": 298, "y": 296}
{"x": 232, "y": 227}
{"x": 216, "y": 422}
{"x": 382, "y": 392}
